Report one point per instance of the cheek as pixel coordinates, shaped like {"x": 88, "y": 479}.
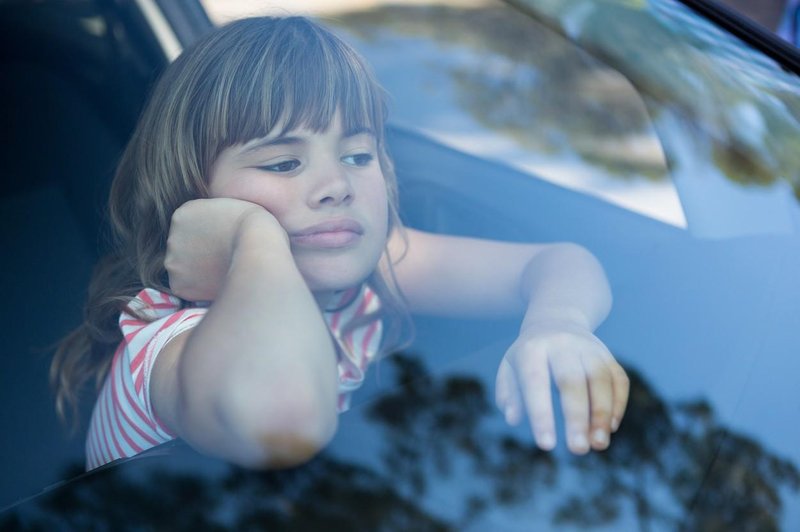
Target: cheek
{"x": 375, "y": 193}
{"x": 274, "y": 199}
{"x": 379, "y": 205}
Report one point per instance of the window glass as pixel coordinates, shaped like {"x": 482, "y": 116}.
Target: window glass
{"x": 673, "y": 148}
{"x": 632, "y": 127}
{"x": 727, "y": 116}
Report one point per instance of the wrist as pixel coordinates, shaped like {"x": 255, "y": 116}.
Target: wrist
{"x": 258, "y": 228}
{"x": 556, "y": 318}
{"x": 260, "y": 241}
{"x": 566, "y": 283}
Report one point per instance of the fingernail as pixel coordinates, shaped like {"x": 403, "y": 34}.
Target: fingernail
{"x": 579, "y": 443}
{"x": 614, "y": 424}
{"x": 508, "y": 413}
{"x": 600, "y": 437}
{"x": 547, "y": 441}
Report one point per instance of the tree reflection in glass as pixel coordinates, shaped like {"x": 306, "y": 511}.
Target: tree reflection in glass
{"x": 669, "y": 466}
{"x": 723, "y": 116}
{"x": 530, "y": 84}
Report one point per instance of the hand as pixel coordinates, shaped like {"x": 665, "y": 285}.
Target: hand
{"x": 202, "y": 237}
{"x": 593, "y": 386}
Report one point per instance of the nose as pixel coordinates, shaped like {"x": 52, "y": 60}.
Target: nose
{"x": 332, "y": 187}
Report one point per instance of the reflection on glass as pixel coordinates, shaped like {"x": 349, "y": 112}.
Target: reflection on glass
{"x": 447, "y": 462}
{"x": 491, "y": 82}
{"x": 735, "y": 109}
{"x": 645, "y": 74}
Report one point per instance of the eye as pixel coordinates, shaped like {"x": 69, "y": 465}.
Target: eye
{"x": 358, "y": 159}
{"x": 281, "y": 167}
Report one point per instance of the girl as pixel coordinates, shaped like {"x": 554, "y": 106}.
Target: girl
{"x": 261, "y": 265}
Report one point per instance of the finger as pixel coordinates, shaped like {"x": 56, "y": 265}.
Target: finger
{"x": 570, "y": 378}
{"x": 622, "y": 386}
{"x": 507, "y": 394}
{"x": 601, "y": 399}
{"x": 533, "y": 374}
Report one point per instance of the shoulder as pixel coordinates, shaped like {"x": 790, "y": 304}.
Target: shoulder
{"x": 151, "y": 304}
{"x": 148, "y": 324}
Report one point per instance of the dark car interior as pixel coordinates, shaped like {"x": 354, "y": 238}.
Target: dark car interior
{"x": 74, "y": 75}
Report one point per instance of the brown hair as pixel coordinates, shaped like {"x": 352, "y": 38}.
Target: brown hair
{"x": 235, "y": 85}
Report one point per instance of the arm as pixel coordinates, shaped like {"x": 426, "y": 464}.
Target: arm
{"x": 468, "y": 277}
{"x": 564, "y": 295}
{"x": 255, "y": 381}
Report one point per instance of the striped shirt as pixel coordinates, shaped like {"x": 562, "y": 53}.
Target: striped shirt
{"x": 123, "y": 422}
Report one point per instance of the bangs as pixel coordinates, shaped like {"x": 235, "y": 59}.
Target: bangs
{"x": 297, "y": 75}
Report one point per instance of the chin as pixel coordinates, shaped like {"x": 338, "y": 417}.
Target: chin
{"x": 332, "y": 285}
{"x": 331, "y": 276}
{"x": 331, "y": 271}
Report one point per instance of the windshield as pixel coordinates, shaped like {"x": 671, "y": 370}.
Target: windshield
{"x": 635, "y": 128}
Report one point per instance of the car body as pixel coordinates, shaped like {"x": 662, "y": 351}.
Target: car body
{"x": 664, "y": 141}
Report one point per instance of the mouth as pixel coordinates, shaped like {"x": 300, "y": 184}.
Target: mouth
{"x": 331, "y": 234}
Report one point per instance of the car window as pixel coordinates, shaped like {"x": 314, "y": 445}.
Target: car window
{"x": 672, "y": 148}
{"x": 635, "y": 128}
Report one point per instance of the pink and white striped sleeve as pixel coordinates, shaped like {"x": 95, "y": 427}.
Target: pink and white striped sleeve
{"x": 123, "y": 422}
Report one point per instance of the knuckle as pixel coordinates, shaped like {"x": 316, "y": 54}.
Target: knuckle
{"x": 600, "y": 412}
{"x": 621, "y": 378}
{"x": 599, "y": 372}
{"x": 571, "y": 378}
{"x": 535, "y": 373}
{"x": 530, "y": 367}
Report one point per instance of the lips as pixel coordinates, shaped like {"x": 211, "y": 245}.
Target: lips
{"x": 331, "y": 234}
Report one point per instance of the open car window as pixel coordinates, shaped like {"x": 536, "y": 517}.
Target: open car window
{"x": 636, "y": 128}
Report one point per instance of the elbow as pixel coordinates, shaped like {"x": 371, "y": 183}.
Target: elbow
{"x": 286, "y": 429}
{"x": 291, "y": 430}
{"x": 305, "y": 432}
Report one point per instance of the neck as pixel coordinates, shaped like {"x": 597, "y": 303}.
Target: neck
{"x": 334, "y": 301}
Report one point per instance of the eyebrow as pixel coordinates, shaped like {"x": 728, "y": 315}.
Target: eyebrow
{"x": 277, "y": 141}
{"x": 364, "y": 130}
{"x": 285, "y": 140}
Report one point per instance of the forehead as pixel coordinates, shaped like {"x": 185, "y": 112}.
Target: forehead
{"x": 285, "y": 133}
{"x": 306, "y": 120}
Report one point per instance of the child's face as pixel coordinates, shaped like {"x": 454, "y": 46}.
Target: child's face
{"x": 326, "y": 190}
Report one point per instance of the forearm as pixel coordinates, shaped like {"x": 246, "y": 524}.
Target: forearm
{"x": 565, "y": 282}
{"x": 475, "y": 278}
{"x": 257, "y": 378}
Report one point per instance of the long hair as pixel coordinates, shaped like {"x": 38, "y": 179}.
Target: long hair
{"x": 237, "y": 84}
